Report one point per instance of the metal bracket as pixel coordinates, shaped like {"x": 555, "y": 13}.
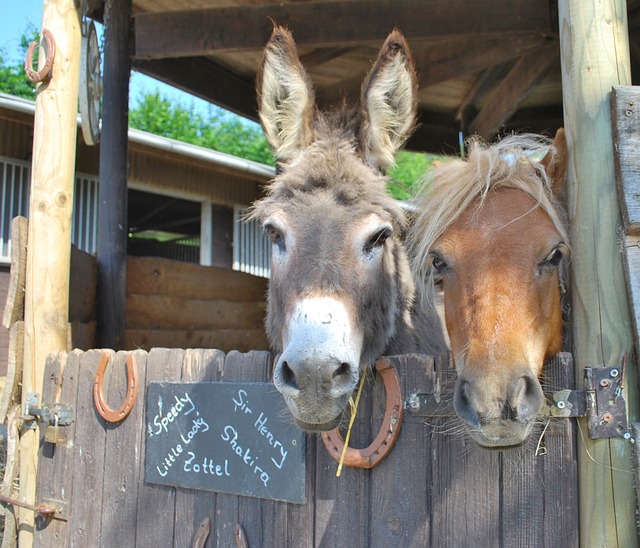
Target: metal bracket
{"x": 56, "y": 414}
{"x": 601, "y": 402}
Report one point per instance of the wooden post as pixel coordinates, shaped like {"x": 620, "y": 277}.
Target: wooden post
{"x": 49, "y": 237}
{"x": 112, "y": 219}
{"x": 595, "y": 56}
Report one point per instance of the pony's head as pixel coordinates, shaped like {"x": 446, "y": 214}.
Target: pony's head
{"x": 490, "y": 231}
{"x": 340, "y": 279}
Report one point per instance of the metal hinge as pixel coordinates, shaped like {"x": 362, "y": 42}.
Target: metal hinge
{"x": 601, "y": 402}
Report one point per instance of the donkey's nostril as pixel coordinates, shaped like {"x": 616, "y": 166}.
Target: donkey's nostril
{"x": 288, "y": 377}
{"x": 342, "y": 370}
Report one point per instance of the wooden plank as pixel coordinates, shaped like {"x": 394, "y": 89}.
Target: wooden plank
{"x": 83, "y": 335}
{"x": 401, "y": 495}
{"x": 625, "y": 120}
{"x": 112, "y": 191}
{"x": 594, "y": 57}
{"x": 523, "y": 78}
{"x": 632, "y": 275}
{"x": 162, "y": 312}
{"x": 10, "y": 477}
{"x": 155, "y": 276}
{"x": 349, "y": 494}
{"x": 193, "y": 506}
{"x": 151, "y": 530}
{"x": 124, "y": 462}
{"x": 57, "y": 461}
{"x": 12, "y": 388}
{"x": 468, "y": 54}
{"x": 86, "y": 504}
{"x": 226, "y": 340}
{"x": 84, "y": 282}
{"x": 14, "y": 305}
{"x": 207, "y": 31}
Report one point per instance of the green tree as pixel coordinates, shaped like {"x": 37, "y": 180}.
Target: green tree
{"x": 13, "y": 79}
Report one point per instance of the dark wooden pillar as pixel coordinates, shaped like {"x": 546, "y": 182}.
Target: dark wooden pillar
{"x": 112, "y": 217}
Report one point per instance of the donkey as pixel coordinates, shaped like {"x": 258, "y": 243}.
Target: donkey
{"x": 341, "y": 291}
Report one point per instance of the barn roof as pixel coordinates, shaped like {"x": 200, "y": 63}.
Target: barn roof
{"x": 484, "y": 66}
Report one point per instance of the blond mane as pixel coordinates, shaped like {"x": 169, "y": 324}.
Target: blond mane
{"x": 449, "y": 189}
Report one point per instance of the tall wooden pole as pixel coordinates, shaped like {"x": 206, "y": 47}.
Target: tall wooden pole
{"x": 595, "y": 56}
{"x": 50, "y": 213}
{"x": 112, "y": 217}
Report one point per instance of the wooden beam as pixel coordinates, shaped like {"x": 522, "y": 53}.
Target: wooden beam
{"x": 321, "y": 24}
{"x": 468, "y": 54}
{"x": 595, "y": 57}
{"x": 525, "y": 76}
{"x": 206, "y": 80}
{"x": 50, "y": 218}
{"x": 112, "y": 193}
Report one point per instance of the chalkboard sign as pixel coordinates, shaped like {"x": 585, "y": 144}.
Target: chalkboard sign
{"x": 230, "y": 437}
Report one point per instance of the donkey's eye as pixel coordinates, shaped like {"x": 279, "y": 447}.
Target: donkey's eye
{"x": 274, "y": 234}
{"x": 378, "y": 239}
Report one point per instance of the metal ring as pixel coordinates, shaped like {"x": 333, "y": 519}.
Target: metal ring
{"x": 50, "y": 52}
{"x": 103, "y": 409}
{"x": 389, "y": 430}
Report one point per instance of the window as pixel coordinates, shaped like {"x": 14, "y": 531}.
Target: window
{"x": 251, "y": 248}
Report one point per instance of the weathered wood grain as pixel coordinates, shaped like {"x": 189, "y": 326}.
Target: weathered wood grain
{"x": 14, "y": 305}
{"x": 154, "y": 276}
{"x": 57, "y": 461}
{"x": 85, "y": 512}
{"x": 83, "y": 286}
{"x": 625, "y": 121}
{"x": 226, "y": 340}
{"x": 11, "y": 392}
{"x": 193, "y": 506}
{"x": 595, "y": 57}
{"x": 155, "y": 525}
{"x": 163, "y": 312}
{"x": 123, "y": 461}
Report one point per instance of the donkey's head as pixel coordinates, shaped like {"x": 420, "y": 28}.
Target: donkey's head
{"x": 339, "y": 275}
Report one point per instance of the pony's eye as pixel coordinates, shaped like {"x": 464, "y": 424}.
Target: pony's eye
{"x": 378, "y": 239}
{"x": 554, "y": 258}
{"x": 440, "y": 266}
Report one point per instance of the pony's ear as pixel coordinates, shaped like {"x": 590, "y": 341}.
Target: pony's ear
{"x": 556, "y": 161}
{"x": 285, "y": 97}
{"x": 389, "y": 101}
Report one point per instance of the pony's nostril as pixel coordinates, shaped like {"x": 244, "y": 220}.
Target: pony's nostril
{"x": 342, "y": 370}
{"x": 463, "y": 406}
{"x": 288, "y": 376}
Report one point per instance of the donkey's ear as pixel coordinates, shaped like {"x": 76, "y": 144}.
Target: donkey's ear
{"x": 389, "y": 102}
{"x": 285, "y": 97}
{"x": 556, "y": 162}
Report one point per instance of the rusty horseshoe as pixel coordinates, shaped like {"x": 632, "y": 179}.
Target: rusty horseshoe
{"x": 386, "y": 438}
{"x": 50, "y": 52}
{"x": 103, "y": 409}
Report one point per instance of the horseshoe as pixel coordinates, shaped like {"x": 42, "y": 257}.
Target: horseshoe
{"x": 50, "y": 52}
{"x": 102, "y": 407}
{"x": 389, "y": 431}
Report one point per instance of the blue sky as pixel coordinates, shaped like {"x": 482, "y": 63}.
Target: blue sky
{"x": 16, "y": 16}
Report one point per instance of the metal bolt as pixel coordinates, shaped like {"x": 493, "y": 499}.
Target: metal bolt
{"x": 628, "y": 113}
{"x": 604, "y": 383}
{"x": 561, "y": 404}
{"x": 607, "y": 417}
{"x": 627, "y": 436}
{"x": 614, "y": 373}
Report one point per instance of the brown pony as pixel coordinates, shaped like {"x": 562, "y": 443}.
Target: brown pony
{"x": 489, "y": 229}
{"x": 341, "y": 291}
